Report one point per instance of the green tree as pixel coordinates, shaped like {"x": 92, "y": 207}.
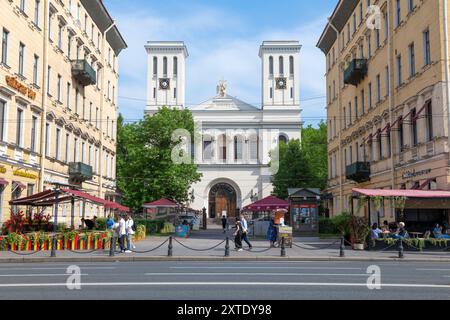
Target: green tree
{"x": 314, "y": 147}
{"x": 145, "y": 170}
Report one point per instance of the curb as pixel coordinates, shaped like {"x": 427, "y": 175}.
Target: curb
{"x": 212, "y": 259}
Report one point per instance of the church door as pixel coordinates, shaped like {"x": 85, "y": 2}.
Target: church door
{"x": 222, "y": 200}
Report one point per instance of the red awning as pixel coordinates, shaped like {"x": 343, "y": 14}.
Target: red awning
{"x": 85, "y": 196}
{"x": 116, "y": 206}
{"x": 267, "y": 204}
{"x": 20, "y": 185}
{"x": 423, "y": 194}
{"x": 3, "y": 182}
{"x": 161, "y": 203}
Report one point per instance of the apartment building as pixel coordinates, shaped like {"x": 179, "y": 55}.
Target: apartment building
{"x": 387, "y": 104}
{"x": 58, "y": 97}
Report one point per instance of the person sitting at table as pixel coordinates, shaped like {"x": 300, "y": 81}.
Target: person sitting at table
{"x": 375, "y": 232}
{"x": 385, "y": 228}
{"x": 437, "y": 231}
{"x": 401, "y": 233}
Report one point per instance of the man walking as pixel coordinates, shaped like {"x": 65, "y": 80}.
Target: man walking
{"x": 245, "y": 231}
{"x": 122, "y": 234}
{"x": 130, "y": 232}
{"x": 224, "y": 223}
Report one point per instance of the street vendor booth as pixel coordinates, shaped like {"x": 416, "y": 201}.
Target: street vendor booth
{"x": 420, "y": 210}
{"x": 304, "y": 211}
{"x": 163, "y": 209}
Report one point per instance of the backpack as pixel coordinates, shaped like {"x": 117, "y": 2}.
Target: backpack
{"x": 133, "y": 227}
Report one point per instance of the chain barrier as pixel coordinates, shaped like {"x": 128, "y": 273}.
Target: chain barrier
{"x": 258, "y": 251}
{"x": 151, "y": 250}
{"x": 85, "y": 252}
{"x": 199, "y": 250}
{"x": 25, "y": 254}
{"x": 314, "y": 249}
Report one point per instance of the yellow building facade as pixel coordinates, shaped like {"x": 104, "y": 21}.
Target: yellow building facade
{"x": 387, "y": 102}
{"x": 58, "y": 98}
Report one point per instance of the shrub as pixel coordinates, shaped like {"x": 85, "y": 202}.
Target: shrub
{"x": 15, "y": 223}
{"x": 101, "y": 224}
{"x": 151, "y": 226}
{"x": 335, "y": 225}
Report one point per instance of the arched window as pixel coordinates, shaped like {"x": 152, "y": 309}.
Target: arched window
{"x": 282, "y": 139}
{"x": 175, "y": 66}
{"x": 222, "y": 148}
{"x": 281, "y": 65}
{"x": 155, "y": 66}
{"x": 238, "y": 150}
{"x": 254, "y": 147}
{"x": 291, "y": 65}
{"x": 271, "y": 65}
{"x": 165, "y": 67}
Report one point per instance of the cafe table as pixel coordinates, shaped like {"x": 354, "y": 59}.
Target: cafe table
{"x": 416, "y": 234}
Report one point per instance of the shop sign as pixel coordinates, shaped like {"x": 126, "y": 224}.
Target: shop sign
{"x": 23, "y": 89}
{"x": 2, "y": 170}
{"x": 413, "y": 173}
{"x": 23, "y": 174}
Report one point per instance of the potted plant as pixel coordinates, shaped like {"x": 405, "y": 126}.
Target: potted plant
{"x": 359, "y": 230}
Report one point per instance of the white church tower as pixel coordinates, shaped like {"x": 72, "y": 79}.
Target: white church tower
{"x": 280, "y": 75}
{"x": 165, "y": 75}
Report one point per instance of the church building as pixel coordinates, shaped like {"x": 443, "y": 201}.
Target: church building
{"x": 233, "y": 153}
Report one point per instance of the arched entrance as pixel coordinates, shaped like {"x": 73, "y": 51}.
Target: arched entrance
{"x": 222, "y": 200}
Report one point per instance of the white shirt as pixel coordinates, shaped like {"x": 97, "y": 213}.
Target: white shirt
{"x": 122, "y": 226}
{"x": 244, "y": 224}
{"x": 129, "y": 224}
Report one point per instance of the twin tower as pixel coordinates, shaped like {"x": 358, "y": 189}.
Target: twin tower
{"x": 167, "y": 65}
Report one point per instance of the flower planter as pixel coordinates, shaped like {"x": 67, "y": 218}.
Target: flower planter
{"x": 359, "y": 246}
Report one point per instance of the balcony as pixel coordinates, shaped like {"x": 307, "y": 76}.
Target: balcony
{"x": 80, "y": 172}
{"x": 355, "y": 72}
{"x": 358, "y": 172}
{"x": 83, "y": 72}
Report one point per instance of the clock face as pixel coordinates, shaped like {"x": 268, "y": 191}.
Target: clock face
{"x": 164, "y": 84}
{"x": 281, "y": 83}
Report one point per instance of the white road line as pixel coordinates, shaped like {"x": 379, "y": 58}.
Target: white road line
{"x": 60, "y": 268}
{"x": 38, "y": 275}
{"x": 422, "y": 269}
{"x": 258, "y": 274}
{"x": 233, "y": 284}
{"x": 271, "y": 268}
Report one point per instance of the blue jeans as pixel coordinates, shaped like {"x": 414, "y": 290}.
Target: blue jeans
{"x": 129, "y": 241}
{"x": 245, "y": 238}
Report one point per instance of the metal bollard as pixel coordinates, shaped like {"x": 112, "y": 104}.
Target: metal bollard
{"x": 170, "y": 253}
{"x": 227, "y": 248}
{"x": 53, "y": 252}
{"x": 112, "y": 248}
{"x": 283, "y": 248}
{"x": 400, "y": 249}
{"x": 342, "y": 248}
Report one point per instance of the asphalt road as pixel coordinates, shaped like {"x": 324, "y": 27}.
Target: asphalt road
{"x": 226, "y": 281}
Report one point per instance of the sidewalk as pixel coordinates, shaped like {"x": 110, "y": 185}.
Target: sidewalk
{"x": 310, "y": 250}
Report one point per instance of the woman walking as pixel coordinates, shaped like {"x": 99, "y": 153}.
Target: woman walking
{"x": 238, "y": 235}
{"x": 272, "y": 233}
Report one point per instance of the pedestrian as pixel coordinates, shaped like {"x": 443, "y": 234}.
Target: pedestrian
{"x": 110, "y": 223}
{"x": 272, "y": 233}
{"x": 224, "y": 223}
{"x": 245, "y": 232}
{"x": 122, "y": 235}
{"x": 130, "y": 233}
{"x": 238, "y": 235}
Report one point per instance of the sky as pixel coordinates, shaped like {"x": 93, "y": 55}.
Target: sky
{"x": 223, "y": 39}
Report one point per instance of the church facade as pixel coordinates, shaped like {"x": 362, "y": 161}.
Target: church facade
{"x": 236, "y": 138}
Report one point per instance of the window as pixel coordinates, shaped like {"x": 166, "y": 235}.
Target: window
{"x": 426, "y": 48}
{"x": 345, "y": 118}
{"x": 388, "y": 140}
{"x": 60, "y": 34}
{"x": 369, "y": 96}
{"x": 412, "y": 60}
{"x": 363, "y": 101}
{"x": 380, "y": 145}
{"x": 90, "y": 156}
{"x": 350, "y": 113}
{"x": 68, "y": 97}
{"x": 414, "y": 140}
{"x": 154, "y": 93}
{"x": 96, "y": 117}
{"x": 2, "y": 120}
{"x": 33, "y": 133}
{"x": 291, "y": 66}
{"x": 76, "y": 101}
{"x": 83, "y": 156}
{"x": 254, "y": 147}
{"x": 37, "y": 9}
{"x": 19, "y": 127}
{"x": 58, "y": 143}
{"x": 429, "y": 117}
{"x": 388, "y": 89}
{"x": 5, "y": 37}
{"x": 207, "y": 148}
{"x": 75, "y": 150}
{"x": 109, "y": 89}
{"x": 356, "y": 152}
{"x": 165, "y": 67}
{"x": 174, "y": 93}
{"x": 369, "y": 46}
{"x": 399, "y": 71}
{"x": 49, "y": 72}
{"x": 36, "y": 70}
{"x": 155, "y": 67}
{"x": 22, "y": 5}
{"x": 58, "y": 88}
{"x": 386, "y": 25}
{"x": 372, "y": 156}
{"x": 67, "y": 156}
{"x": 270, "y": 66}
{"x": 356, "y": 107}
{"x": 401, "y": 140}
{"x": 50, "y": 15}
{"x": 377, "y": 38}
{"x": 175, "y": 67}
{"x": 398, "y": 17}
{"x": 47, "y": 139}
{"x": 361, "y": 51}
{"x": 271, "y": 93}
{"x": 354, "y": 22}
{"x": 90, "y": 112}
{"x": 21, "y": 57}
{"x": 238, "y": 150}
{"x": 281, "y": 66}
{"x": 348, "y": 33}
{"x": 113, "y": 94}
{"x": 92, "y": 32}
{"x": 96, "y": 161}
{"x": 410, "y": 6}
{"x": 69, "y": 45}
{"x": 378, "y": 85}
{"x": 83, "y": 115}
{"x": 360, "y": 12}
{"x": 334, "y": 127}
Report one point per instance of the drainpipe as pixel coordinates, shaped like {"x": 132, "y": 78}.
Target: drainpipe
{"x": 44, "y": 75}
{"x": 341, "y": 195}
{"x": 447, "y": 70}
{"x": 102, "y": 99}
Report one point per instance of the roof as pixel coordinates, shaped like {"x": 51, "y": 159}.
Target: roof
{"x": 267, "y": 204}
{"x": 227, "y": 103}
{"x": 422, "y": 194}
{"x": 167, "y": 46}
{"x": 280, "y": 45}
{"x": 98, "y": 12}
{"x": 163, "y": 202}
{"x": 339, "y": 18}
{"x": 304, "y": 192}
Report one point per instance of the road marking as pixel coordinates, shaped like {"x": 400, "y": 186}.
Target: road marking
{"x": 234, "y": 284}
{"x": 60, "y": 268}
{"x": 257, "y": 274}
{"x": 422, "y": 269}
{"x": 271, "y": 268}
{"x": 38, "y": 275}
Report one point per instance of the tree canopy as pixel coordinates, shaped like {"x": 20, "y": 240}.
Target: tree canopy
{"x": 145, "y": 170}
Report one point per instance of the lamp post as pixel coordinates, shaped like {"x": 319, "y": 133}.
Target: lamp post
{"x": 55, "y": 223}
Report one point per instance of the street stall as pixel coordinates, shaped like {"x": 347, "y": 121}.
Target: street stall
{"x": 304, "y": 211}
{"x": 163, "y": 209}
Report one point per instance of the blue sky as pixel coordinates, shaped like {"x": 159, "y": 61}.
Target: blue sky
{"x": 223, "y": 38}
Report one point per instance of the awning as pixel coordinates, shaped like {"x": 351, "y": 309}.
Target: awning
{"x": 85, "y": 196}
{"x": 3, "y": 182}
{"x": 387, "y": 193}
{"x": 19, "y": 185}
{"x": 116, "y": 206}
{"x": 161, "y": 203}
{"x": 267, "y": 204}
